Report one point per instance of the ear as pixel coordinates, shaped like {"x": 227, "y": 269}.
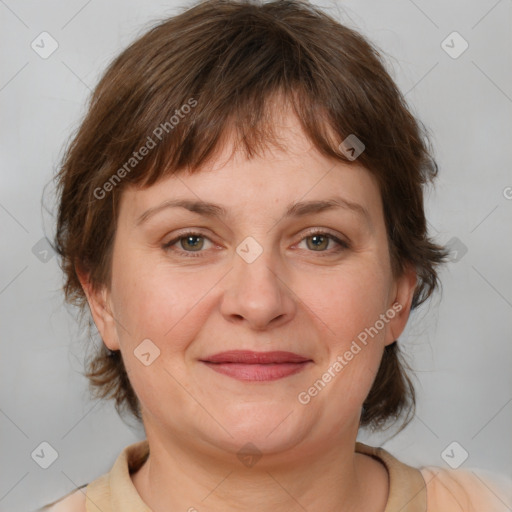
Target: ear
{"x": 400, "y": 303}
{"x": 99, "y": 304}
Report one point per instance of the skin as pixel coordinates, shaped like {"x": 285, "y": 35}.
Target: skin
{"x": 293, "y": 297}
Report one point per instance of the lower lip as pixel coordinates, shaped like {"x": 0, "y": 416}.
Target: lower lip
{"x": 257, "y": 372}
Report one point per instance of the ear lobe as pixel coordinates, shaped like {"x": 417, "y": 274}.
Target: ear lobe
{"x": 99, "y": 305}
{"x": 401, "y": 304}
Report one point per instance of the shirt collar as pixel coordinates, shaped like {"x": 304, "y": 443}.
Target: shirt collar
{"x": 115, "y": 492}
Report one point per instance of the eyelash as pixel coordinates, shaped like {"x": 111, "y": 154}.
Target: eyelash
{"x": 342, "y": 245}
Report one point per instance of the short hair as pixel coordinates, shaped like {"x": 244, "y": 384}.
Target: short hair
{"x": 215, "y": 70}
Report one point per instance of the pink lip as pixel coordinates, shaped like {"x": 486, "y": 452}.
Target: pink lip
{"x": 256, "y": 366}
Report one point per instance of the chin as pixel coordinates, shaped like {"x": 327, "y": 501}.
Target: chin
{"x": 271, "y": 428}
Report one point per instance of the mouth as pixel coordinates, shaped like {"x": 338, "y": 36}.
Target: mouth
{"x": 247, "y": 365}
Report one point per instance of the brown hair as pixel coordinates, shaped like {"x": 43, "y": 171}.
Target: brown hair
{"x": 214, "y": 70}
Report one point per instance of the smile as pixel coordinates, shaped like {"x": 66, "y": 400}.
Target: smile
{"x": 246, "y": 365}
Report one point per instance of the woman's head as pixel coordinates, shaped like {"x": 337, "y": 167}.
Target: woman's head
{"x": 247, "y": 105}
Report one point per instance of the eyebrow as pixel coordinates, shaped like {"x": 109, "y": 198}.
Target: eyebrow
{"x": 294, "y": 210}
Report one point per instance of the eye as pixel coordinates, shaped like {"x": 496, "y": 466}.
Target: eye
{"x": 189, "y": 241}
{"x": 319, "y": 241}
{"x": 193, "y": 242}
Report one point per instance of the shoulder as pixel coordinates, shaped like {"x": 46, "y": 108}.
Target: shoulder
{"x": 74, "y": 502}
{"x": 467, "y": 489}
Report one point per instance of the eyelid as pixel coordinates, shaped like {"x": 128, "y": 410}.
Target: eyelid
{"x": 184, "y": 233}
{"x": 340, "y": 240}
{"x": 324, "y": 231}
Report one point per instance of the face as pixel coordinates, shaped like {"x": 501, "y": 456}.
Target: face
{"x": 269, "y": 269}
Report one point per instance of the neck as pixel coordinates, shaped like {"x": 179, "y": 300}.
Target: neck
{"x": 176, "y": 478}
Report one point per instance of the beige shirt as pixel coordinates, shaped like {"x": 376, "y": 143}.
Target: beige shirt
{"x": 430, "y": 489}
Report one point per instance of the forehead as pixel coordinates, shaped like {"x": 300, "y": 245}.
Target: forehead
{"x": 270, "y": 181}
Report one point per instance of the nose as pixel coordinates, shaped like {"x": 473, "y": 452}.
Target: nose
{"x": 257, "y": 293}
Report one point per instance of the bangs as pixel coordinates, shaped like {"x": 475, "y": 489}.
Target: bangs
{"x": 180, "y": 95}
{"x": 250, "y": 129}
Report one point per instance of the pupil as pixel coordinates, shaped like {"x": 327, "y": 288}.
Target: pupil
{"x": 317, "y": 237}
{"x": 190, "y": 240}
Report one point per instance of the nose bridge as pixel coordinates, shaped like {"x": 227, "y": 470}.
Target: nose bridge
{"x": 255, "y": 269}
{"x": 255, "y": 290}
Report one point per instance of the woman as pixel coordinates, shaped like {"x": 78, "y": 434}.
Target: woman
{"x": 242, "y": 212}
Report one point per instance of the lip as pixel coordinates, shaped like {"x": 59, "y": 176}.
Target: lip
{"x": 250, "y": 357}
{"x": 247, "y": 365}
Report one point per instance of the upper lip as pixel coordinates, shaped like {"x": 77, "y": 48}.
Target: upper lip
{"x": 250, "y": 357}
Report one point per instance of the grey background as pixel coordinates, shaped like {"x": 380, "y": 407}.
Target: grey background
{"x": 460, "y": 347}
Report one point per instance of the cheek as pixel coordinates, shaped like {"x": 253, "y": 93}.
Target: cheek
{"x": 156, "y": 304}
{"x": 348, "y": 303}
{"x": 346, "y": 309}
{"x": 159, "y": 303}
